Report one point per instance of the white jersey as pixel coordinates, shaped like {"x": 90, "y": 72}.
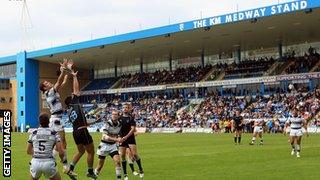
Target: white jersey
{"x": 295, "y": 122}
{"x": 258, "y": 122}
{"x": 43, "y": 141}
{"x": 111, "y": 128}
{"x": 53, "y": 100}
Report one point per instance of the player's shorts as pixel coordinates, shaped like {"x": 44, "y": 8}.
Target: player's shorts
{"x": 239, "y": 128}
{"x": 47, "y": 167}
{"x": 55, "y": 123}
{"x": 105, "y": 149}
{"x": 82, "y": 136}
{"x": 296, "y": 132}
{"x": 257, "y": 129}
{"x": 130, "y": 140}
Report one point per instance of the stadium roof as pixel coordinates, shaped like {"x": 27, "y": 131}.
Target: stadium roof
{"x": 288, "y": 23}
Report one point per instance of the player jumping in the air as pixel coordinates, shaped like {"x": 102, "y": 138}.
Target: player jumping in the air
{"x": 128, "y": 140}
{"x": 52, "y": 96}
{"x": 80, "y": 133}
{"x": 258, "y": 130}
{"x": 108, "y": 145}
{"x": 296, "y": 123}
{"x": 40, "y": 146}
{"x": 237, "y": 126}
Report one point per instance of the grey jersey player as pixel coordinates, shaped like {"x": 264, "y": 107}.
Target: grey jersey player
{"x": 40, "y": 146}
{"x": 296, "y": 124}
{"x": 108, "y": 145}
{"x": 53, "y": 100}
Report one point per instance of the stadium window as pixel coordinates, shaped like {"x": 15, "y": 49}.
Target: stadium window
{"x": 21, "y": 70}
{"x": 10, "y": 100}
{"x": 10, "y": 85}
{"x": 21, "y": 84}
{"x": 21, "y": 98}
{"x": 21, "y": 113}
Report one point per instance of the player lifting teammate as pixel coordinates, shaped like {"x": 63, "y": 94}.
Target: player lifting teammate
{"x": 40, "y": 146}
{"x": 296, "y": 123}
{"x": 79, "y": 122}
{"x": 52, "y": 96}
{"x": 108, "y": 145}
{"x": 128, "y": 140}
{"x": 237, "y": 126}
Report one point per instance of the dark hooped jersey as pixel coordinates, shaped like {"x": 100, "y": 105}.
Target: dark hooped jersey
{"x": 237, "y": 121}
{"x": 126, "y": 123}
{"x": 75, "y": 113}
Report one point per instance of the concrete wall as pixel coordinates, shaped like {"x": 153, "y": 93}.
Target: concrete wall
{"x": 10, "y": 105}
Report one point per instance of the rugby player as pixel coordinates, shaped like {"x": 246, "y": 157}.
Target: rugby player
{"x": 108, "y": 144}
{"x": 296, "y": 123}
{"x": 40, "y": 145}
{"x": 52, "y": 96}
{"x": 81, "y": 135}
{"x": 128, "y": 140}
{"x": 237, "y": 126}
{"x": 258, "y": 130}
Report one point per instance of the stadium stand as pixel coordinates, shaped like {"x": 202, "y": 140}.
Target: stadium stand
{"x": 105, "y": 83}
{"x": 248, "y": 68}
{"x": 215, "y": 111}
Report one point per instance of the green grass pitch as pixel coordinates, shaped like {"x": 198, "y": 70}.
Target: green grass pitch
{"x": 198, "y": 156}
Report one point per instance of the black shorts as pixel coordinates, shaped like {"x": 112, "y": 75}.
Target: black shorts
{"x": 82, "y": 136}
{"x": 130, "y": 140}
{"x": 239, "y": 128}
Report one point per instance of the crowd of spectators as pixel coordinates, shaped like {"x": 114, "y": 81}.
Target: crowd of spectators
{"x": 216, "y": 111}
{"x": 238, "y": 69}
{"x": 303, "y": 64}
{"x": 179, "y": 75}
{"x": 248, "y": 68}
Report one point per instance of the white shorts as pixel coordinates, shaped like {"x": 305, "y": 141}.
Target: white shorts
{"x": 56, "y": 123}
{"x": 43, "y": 166}
{"x": 296, "y": 132}
{"x": 105, "y": 149}
{"x": 257, "y": 129}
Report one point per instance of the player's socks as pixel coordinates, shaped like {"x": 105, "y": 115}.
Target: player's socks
{"x": 239, "y": 139}
{"x": 90, "y": 170}
{"x": 72, "y": 166}
{"x": 65, "y": 160}
{"x": 139, "y": 164}
{"x": 124, "y": 167}
{"x": 131, "y": 166}
{"x": 292, "y": 145}
{"x": 118, "y": 173}
{"x": 298, "y": 148}
{"x": 90, "y": 173}
{"x": 65, "y": 157}
{"x": 96, "y": 172}
{"x": 235, "y": 139}
{"x": 261, "y": 141}
{"x": 293, "y": 149}
{"x": 130, "y": 162}
{"x": 253, "y": 140}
